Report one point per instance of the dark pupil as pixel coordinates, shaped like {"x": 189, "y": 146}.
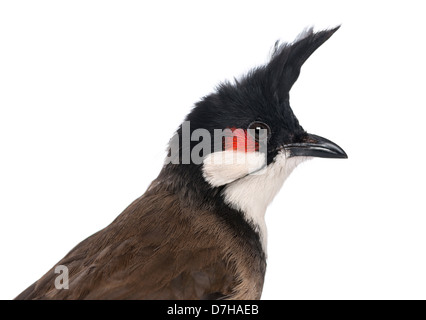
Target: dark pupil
{"x": 257, "y": 130}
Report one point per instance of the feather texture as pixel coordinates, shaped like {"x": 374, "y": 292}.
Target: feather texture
{"x": 158, "y": 249}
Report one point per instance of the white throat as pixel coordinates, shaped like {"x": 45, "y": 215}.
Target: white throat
{"x": 252, "y": 193}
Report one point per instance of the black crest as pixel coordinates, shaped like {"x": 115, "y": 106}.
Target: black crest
{"x": 263, "y": 93}
{"x": 287, "y": 60}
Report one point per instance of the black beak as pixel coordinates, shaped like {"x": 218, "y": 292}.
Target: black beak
{"x": 315, "y": 146}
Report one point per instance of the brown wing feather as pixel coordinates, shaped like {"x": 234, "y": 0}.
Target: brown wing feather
{"x": 153, "y": 250}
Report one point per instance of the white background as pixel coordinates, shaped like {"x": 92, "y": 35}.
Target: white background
{"x": 91, "y": 91}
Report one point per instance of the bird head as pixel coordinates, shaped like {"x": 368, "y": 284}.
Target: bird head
{"x": 253, "y": 116}
{"x": 245, "y": 139}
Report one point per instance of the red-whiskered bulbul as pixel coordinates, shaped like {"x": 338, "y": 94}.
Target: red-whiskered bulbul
{"x": 198, "y": 232}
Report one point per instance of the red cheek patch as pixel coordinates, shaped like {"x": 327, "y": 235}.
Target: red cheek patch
{"x": 240, "y": 140}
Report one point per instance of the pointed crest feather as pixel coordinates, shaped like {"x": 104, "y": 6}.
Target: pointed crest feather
{"x": 288, "y": 58}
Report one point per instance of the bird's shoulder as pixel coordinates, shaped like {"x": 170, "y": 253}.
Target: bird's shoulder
{"x": 156, "y": 249}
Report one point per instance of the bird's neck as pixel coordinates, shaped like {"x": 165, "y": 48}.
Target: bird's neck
{"x": 196, "y": 194}
{"x": 240, "y": 203}
{"x": 253, "y": 193}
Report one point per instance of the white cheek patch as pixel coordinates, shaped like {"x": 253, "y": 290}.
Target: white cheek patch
{"x": 224, "y": 167}
{"x": 253, "y": 193}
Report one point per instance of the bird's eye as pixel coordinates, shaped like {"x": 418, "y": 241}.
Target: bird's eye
{"x": 259, "y": 130}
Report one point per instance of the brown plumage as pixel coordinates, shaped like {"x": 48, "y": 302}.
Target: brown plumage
{"x": 158, "y": 248}
{"x": 199, "y": 230}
